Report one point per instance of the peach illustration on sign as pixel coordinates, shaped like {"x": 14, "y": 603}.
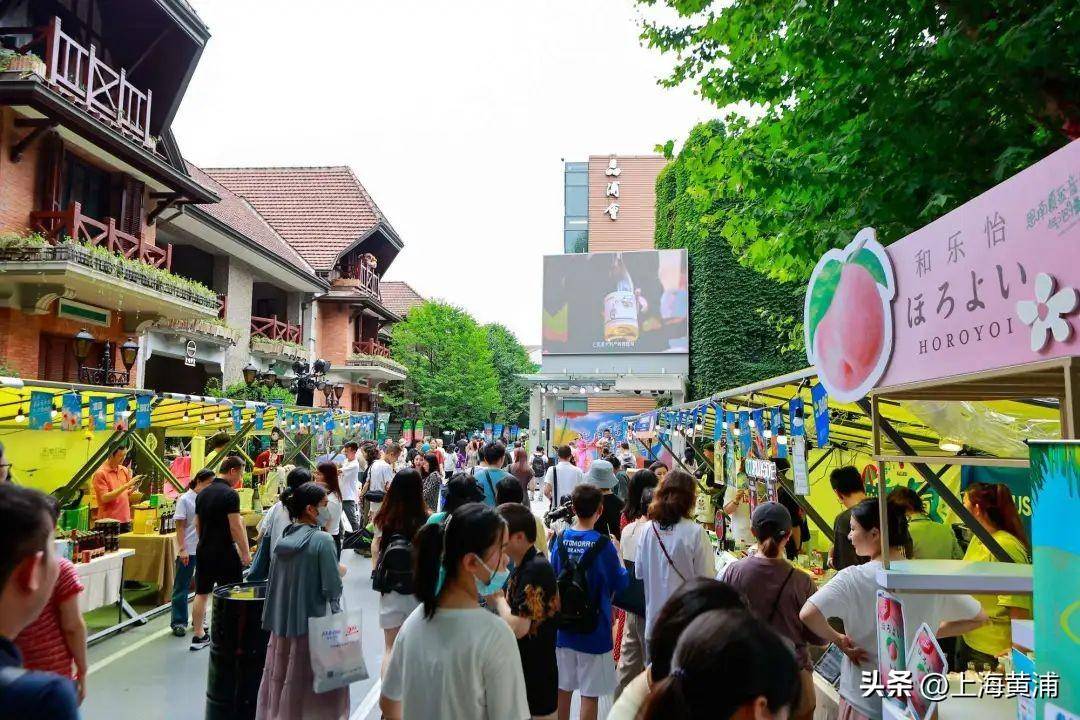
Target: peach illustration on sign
{"x": 848, "y": 317}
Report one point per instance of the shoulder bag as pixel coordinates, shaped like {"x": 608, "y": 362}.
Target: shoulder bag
{"x": 664, "y": 549}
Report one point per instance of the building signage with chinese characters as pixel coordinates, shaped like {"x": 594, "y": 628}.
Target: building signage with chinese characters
{"x": 611, "y": 192}
{"x": 989, "y": 285}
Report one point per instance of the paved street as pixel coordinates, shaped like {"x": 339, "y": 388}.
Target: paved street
{"x": 147, "y": 673}
{"x": 147, "y": 667}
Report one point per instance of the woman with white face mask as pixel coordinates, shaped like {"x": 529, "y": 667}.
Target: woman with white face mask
{"x": 305, "y": 582}
{"x": 452, "y": 659}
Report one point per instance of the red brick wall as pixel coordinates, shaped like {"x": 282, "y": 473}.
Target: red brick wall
{"x": 333, "y": 335}
{"x": 17, "y": 180}
{"x": 20, "y": 337}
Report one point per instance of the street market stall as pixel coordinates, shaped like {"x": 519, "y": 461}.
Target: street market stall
{"x": 57, "y": 435}
{"x": 947, "y": 360}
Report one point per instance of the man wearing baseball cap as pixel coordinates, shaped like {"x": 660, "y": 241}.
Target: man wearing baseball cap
{"x": 601, "y": 475}
{"x": 776, "y": 590}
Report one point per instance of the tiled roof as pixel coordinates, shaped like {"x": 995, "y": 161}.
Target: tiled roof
{"x": 399, "y": 297}
{"x": 235, "y": 212}
{"x": 320, "y": 211}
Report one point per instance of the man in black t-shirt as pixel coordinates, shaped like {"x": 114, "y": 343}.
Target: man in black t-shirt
{"x": 847, "y": 483}
{"x": 223, "y": 546}
{"x": 528, "y": 607}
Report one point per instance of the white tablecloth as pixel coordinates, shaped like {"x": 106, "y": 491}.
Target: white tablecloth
{"x": 101, "y": 580}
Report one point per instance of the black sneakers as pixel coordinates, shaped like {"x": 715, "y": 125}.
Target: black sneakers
{"x": 179, "y": 630}
{"x": 198, "y": 642}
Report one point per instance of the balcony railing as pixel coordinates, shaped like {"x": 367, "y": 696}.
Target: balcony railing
{"x": 106, "y": 93}
{"x": 273, "y": 329}
{"x": 366, "y": 278}
{"x": 71, "y": 223}
{"x": 371, "y": 347}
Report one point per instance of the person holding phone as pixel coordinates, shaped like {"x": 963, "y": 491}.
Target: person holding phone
{"x": 112, "y": 484}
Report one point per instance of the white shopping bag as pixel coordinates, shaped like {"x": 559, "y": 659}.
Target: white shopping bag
{"x": 337, "y": 658}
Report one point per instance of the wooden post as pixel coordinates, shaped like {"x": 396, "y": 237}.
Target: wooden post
{"x": 146, "y": 117}
{"x": 52, "y": 43}
{"x": 120, "y": 93}
{"x": 168, "y": 256}
{"x": 90, "y": 77}
{"x": 110, "y": 233}
{"x": 76, "y": 221}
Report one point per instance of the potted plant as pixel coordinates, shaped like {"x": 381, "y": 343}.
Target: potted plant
{"x": 27, "y": 64}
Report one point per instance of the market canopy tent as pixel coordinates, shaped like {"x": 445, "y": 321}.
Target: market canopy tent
{"x": 851, "y": 436}
{"x": 51, "y": 459}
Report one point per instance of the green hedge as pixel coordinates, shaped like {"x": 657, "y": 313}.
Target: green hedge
{"x": 740, "y": 321}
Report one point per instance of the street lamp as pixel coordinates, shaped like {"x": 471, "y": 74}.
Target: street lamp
{"x": 83, "y": 343}
{"x": 251, "y": 374}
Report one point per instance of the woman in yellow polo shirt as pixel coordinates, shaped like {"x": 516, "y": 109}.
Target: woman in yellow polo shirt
{"x": 993, "y": 506}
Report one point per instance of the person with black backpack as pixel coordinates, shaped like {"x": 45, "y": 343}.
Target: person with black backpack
{"x": 402, "y": 513}
{"x": 588, "y": 572}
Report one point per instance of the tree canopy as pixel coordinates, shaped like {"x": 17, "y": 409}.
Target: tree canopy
{"x": 510, "y": 360}
{"x": 740, "y": 321}
{"x": 886, "y": 113}
{"x": 450, "y": 365}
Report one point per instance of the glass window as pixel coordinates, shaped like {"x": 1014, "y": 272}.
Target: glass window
{"x": 576, "y": 201}
{"x": 575, "y": 405}
{"x": 576, "y": 241}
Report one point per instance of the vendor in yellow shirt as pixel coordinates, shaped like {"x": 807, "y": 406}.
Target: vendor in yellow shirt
{"x": 930, "y": 540}
{"x": 993, "y": 506}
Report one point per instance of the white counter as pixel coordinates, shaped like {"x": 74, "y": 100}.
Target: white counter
{"x": 101, "y": 578}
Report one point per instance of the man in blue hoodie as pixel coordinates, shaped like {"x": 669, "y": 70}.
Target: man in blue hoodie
{"x": 585, "y": 660}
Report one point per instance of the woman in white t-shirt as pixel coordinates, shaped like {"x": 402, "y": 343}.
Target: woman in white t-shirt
{"x": 852, "y": 596}
{"x": 672, "y": 548}
{"x": 452, "y": 659}
{"x": 630, "y": 625}
{"x": 326, "y": 474}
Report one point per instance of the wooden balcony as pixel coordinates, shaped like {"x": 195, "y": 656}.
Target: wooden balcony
{"x": 78, "y": 73}
{"x": 56, "y": 225}
{"x": 371, "y": 347}
{"x": 358, "y": 276}
{"x": 273, "y": 329}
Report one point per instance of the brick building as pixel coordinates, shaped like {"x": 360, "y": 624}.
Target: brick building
{"x": 104, "y": 226}
{"x": 331, "y": 220}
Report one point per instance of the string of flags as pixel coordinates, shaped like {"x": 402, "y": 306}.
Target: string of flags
{"x": 42, "y": 414}
{"x": 743, "y": 426}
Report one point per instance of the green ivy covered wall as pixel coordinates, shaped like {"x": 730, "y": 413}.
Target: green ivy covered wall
{"x": 741, "y": 323}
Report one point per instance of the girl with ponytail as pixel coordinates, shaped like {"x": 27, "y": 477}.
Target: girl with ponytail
{"x": 727, "y": 665}
{"x": 452, "y": 658}
{"x": 852, "y": 596}
{"x": 992, "y": 505}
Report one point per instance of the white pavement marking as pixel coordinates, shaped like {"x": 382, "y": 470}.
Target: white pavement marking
{"x": 369, "y": 702}
{"x": 128, "y": 650}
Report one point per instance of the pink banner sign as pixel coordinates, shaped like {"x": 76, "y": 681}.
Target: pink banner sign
{"x": 992, "y": 283}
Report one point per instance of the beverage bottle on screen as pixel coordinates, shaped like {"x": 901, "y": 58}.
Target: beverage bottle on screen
{"x": 620, "y": 305}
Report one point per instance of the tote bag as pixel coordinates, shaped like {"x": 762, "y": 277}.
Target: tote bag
{"x": 337, "y": 658}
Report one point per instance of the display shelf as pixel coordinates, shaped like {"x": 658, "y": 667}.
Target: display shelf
{"x": 955, "y": 576}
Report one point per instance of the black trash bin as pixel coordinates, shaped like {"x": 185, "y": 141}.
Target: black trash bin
{"x": 237, "y": 652}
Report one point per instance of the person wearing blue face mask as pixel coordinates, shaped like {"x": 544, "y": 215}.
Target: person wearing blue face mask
{"x": 450, "y": 658}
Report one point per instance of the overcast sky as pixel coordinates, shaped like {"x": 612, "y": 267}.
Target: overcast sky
{"x": 456, "y": 116}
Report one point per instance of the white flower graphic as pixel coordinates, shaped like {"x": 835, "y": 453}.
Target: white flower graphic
{"x": 1044, "y": 313}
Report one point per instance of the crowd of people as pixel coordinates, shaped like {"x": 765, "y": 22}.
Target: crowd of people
{"x": 615, "y": 593}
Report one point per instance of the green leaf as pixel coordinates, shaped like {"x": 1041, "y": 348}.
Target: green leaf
{"x": 871, "y": 262}
{"x": 821, "y": 294}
